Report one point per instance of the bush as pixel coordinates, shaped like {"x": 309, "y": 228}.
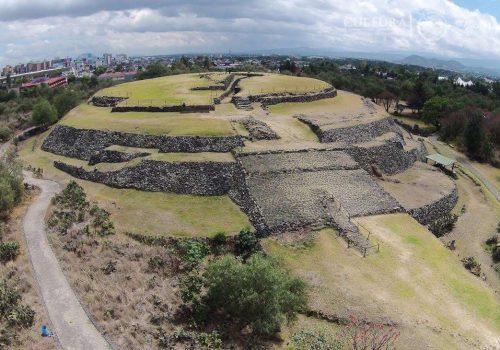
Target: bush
{"x": 9, "y": 298}
{"x": 315, "y": 340}
{"x": 44, "y": 113}
{"x": 443, "y": 225}
{"x": 5, "y": 134}
{"x": 8, "y": 251}
{"x": 72, "y": 197}
{"x": 246, "y": 243}
{"x": 66, "y": 101}
{"x": 472, "y": 265}
{"x": 11, "y": 186}
{"x": 220, "y": 238}
{"x": 192, "y": 252}
{"x": 258, "y": 293}
{"x": 21, "y": 316}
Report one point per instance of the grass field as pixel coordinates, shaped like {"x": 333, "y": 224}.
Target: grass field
{"x": 279, "y": 83}
{"x": 414, "y": 280}
{"x": 152, "y": 213}
{"x": 171, "y": 90}
{"x": 89, "y": 117}
{"x": 343, "y": 105}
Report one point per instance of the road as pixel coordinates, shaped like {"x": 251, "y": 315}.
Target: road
{"x": 72, "y": 326}
{"x": 465, "y": 163}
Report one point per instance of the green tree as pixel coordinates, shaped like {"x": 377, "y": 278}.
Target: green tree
{"x": 66, "y": 101}
{"x": 436, "y": 107}
{"x": 477, "y": 141}
{"x": 258, "y": 293}
{"x": 44, "y": 113}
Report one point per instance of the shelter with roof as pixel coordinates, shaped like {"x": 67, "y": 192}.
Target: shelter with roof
{"x": 442, "y": 161}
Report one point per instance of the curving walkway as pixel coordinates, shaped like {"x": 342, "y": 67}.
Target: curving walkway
{"x": 72, "y": 326}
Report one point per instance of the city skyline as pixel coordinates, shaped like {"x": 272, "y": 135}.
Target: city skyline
{"x": 34, "y": 31}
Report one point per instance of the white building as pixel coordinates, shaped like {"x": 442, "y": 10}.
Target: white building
{"x": 461, "y": 82}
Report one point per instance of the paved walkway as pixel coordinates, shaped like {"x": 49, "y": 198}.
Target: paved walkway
{"x": 71, "y": 324}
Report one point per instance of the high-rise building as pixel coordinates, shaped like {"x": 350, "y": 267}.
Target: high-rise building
{"x": 108, "y": 58}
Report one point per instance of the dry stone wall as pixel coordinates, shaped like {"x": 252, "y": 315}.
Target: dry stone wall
{"x": 163, "y": 109}
{"x": 198, "y": 178}
{"x": 390, "y": 157}
{"x": 276, "y": 98}
{"x": 258, "y": 130}
{"x": 430, "y": 212}
{"x": 352, "y": 134}
{"x": 84, "y": 143}
{"x": 108, "y": 156}
{"x": 106, "y": 101}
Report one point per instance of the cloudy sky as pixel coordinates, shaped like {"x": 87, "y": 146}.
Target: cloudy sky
{"x": 33, "y": 29}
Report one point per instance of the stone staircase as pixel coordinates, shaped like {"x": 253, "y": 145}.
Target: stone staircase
{"x": 242, "y": 103}
{"x": 341, "y": 220}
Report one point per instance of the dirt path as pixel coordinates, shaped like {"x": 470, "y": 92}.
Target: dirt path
{"x": 464, "y": 162}
{"x": 71, "y": 324}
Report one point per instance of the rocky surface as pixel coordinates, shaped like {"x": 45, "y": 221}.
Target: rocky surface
{"x": 84, "y": 143}
{"x": 435, "y": 210}
{"x": 106, "y": 101}
{"x": 390, "y": 157}
{"x": 162, "y": 109}
{"x": 258, "y": 130}
{"x": 276, "y": 98}
{"x": 198, "y": 178}
{"x": 351, "y": 134}
{"x": 310, "y": 160}
{"x": 108, "y": 156}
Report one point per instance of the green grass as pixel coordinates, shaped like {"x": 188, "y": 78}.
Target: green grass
{"x": 270, "y": 83}
{"x": 89, "y": 117}
{"x": 413, "y": 121}
{"x": 413, "y": 274}
{"x": 153, "y": 213}
{"x": 171, "y": 90}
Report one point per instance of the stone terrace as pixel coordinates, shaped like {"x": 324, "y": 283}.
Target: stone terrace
{"x": 297, "y": 199}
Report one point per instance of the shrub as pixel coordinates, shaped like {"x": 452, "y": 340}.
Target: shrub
{"x": 8, "y": 251}
{"x": 315, "y": 340}
{"x": 220, "y": 238}
{"x": 192, "y": 252}
{"x": 472, "y": 265}
{"x": 246, "y": 243}
{"x": 5, "y": 134}
{"x": 258, "y": 293}
{"x": 9, "y": 298}
{"x": 109, "y": 268}
{"x": 156, "y": 263}
{"x": 11, "y": 186}
{"x": 44, "y": 113}
{"x": 21, "y": 316}
{"x": 496, "y": 254}
{"x": 443, "y": 225}
{"x": 72, "y": 197}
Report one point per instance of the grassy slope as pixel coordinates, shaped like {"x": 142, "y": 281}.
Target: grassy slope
{"x": 171, "y": 90}
{"x": 146, "y": 212}
{"x": 279, "y": 83}
{"x": 413, "y": 280}
{"x": 89, "y": 117}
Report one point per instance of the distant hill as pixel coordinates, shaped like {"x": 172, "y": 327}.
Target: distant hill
{"x": 434, "y": 63}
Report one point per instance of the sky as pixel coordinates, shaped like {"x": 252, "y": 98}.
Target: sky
{"x": 34, "y": 30}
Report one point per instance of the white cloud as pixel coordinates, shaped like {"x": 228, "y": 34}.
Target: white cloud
{"x": 35, "y": 29}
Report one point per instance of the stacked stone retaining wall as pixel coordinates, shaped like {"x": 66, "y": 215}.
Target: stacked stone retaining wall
{"x": 108, "y": 156}
{"x": 352, "y": 134}
{"x": 276, "y": 98}
{"x": 84, "y": 143}
{"x": 430, "y": 212}
{"x": 163, "y": 109}
{"x": 197, "y": 178}
{"x": 390, "y": 157}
